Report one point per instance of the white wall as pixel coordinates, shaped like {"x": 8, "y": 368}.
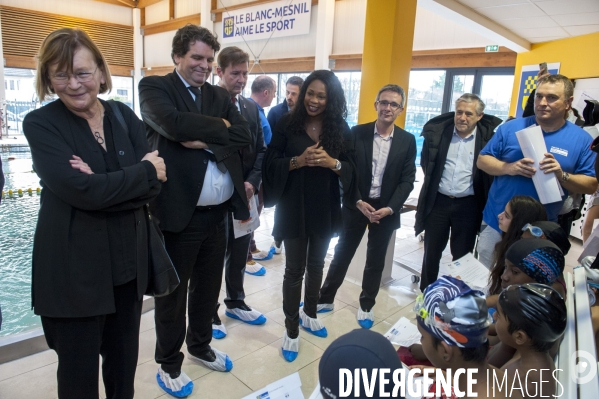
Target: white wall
{"x": 157, "y": 12}
{"x": 350, "y": 20}
{"x": 188, "y": 7}
{"x": 157, "y": 49}
{"x": 86, "y": 9}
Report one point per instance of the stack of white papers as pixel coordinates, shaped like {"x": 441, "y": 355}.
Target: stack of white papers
{"x": 533, "y": 146}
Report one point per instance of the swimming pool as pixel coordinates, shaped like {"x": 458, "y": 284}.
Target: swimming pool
{"x": 18, "y": 216}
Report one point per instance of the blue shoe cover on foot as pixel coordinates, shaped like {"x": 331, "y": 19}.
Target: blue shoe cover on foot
{"x": 179, "y": 387}
{"x": 222, "y": 362}
{"x": 313, "y": 326}
{"x": 219, "y": 331}
{"x": 251, "y": 317}
{"x": 259, "y": 272}
{"x": 263, "y": 255}
{"x": 365, "y": 319}
{"x": 290, "y": 348}
{"x": 324, "y": 307}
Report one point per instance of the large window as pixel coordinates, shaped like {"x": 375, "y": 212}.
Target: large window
{"x": 425, "y": 100}
{"x": 21, "y": 97}
{"x": 434, "y": 92}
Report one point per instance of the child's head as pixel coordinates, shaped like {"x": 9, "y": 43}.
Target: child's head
{"x": 532, "y": 261}
{"x": 453, "y": 320}
{"x": 521, "y": 209}
{"x": 530, "y": 315}
{"x": 550, "y": 231}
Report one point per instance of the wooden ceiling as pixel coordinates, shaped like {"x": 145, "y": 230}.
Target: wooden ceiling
{"x": 131, "y": 3}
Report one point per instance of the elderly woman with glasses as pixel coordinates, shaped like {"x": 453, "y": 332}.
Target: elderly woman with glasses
{"x": 90, "y": 253}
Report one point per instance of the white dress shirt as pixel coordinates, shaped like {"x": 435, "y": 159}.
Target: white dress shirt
{"x": 218, "y": 186}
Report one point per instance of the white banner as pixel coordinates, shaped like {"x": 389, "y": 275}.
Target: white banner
{"x": 279, "y": 19}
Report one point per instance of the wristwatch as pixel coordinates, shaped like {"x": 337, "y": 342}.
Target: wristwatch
{"x": 337, "y": 165}
{"x": 565, "y": 176}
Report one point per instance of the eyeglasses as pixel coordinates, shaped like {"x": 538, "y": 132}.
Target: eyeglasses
{"x": 534, "y": 230}
{"x": 394, "y": 106}
{"x": 81, "y": 77}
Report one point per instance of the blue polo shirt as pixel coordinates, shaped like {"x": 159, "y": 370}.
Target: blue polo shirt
{"x": 570, "y": 145}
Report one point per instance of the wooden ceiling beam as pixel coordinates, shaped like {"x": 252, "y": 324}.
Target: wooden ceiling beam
{"x": 146, "y": 3}
{"x": 116, "y": 3}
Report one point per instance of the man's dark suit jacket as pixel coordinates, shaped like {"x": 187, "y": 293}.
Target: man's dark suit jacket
{"x": 400, "y": 171}
{"x": 72, "y": 275}
{"x": 172, "y": 116}
{"x": 253, "y": 154}
{"x": 437, "y": 135}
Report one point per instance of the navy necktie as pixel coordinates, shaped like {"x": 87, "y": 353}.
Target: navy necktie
{"x": 198, "y": 94}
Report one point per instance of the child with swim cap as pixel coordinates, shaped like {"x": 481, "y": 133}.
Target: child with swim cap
{"x": 453, "y": 320}
{"x": 531, "y": 318}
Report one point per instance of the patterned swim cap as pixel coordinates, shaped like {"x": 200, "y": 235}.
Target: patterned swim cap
{"x": 454, "y": 313}
{"x": 540, "y": 259}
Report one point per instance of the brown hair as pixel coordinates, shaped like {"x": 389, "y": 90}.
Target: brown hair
{"x": 59, "y": 47}
{"x": 557, "y": 78}
{"x": 188, "y": 35}
{"x": 230, "y": 56}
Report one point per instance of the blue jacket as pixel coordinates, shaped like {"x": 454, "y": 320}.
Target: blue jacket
{"x": 276, "y": 113}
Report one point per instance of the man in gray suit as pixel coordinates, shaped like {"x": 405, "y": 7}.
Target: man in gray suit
{"x": 232, "y": 70}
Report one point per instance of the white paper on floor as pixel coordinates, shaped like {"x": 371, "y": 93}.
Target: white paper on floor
{"x": 289, "y": 387}
{"x": 469, "y": 270}
{"x": 403, "y": 333}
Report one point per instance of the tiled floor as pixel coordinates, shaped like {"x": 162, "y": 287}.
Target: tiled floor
{"x": 255, "y": 350}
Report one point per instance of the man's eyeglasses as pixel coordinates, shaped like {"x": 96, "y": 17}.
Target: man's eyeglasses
{"x": 534, "y": 230}
{"x": 394, "y": 106}
{"x": 82, "y": 77}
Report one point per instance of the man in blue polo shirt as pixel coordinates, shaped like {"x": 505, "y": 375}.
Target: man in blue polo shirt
{"x": 569, "y": 156}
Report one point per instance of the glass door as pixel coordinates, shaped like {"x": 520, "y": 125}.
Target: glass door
{"x": 496, "y": 93}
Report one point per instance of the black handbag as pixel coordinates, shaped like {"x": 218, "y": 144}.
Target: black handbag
{"x": 162, "y": 276}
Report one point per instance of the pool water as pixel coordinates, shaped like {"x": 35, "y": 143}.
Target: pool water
{"x": 18, "y": 217}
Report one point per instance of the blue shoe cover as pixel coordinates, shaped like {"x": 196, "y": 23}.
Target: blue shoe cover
{"x": 260, "y": 272}
{"x": 219, "y": 331}
{"x": 313, "y": 326}
{"x": 365, "y": 319}
{"x": 324, "y": 307}
{"x": 263, "y": 255}
{"x": 290, "y": 348}
{"x": 252, "y": 317}
{"x": 179, "y": 387}
{"x": 222, "y": 362}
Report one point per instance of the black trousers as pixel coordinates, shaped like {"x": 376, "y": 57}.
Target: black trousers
{"x": 79, "y": 341}
{"x": 302, "y": 256}
{"x": 456, "y": 214}
{"x": 354, "y": 225}
{"x": 198, "y": 254}
{"x": 235, "y": 261}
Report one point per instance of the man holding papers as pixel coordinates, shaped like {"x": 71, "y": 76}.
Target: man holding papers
{"x": 569, "y": 156}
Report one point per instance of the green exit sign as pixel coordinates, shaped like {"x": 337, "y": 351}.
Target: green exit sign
{"x": 492, "y": 49}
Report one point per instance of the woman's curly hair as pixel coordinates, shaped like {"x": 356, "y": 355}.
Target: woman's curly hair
{"x": 333, "y": 122}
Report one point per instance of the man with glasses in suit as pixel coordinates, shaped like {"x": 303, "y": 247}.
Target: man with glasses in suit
{"x": 385, "y": 156}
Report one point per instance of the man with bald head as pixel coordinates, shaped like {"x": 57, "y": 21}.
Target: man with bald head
{"x": 264, "y": 90}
